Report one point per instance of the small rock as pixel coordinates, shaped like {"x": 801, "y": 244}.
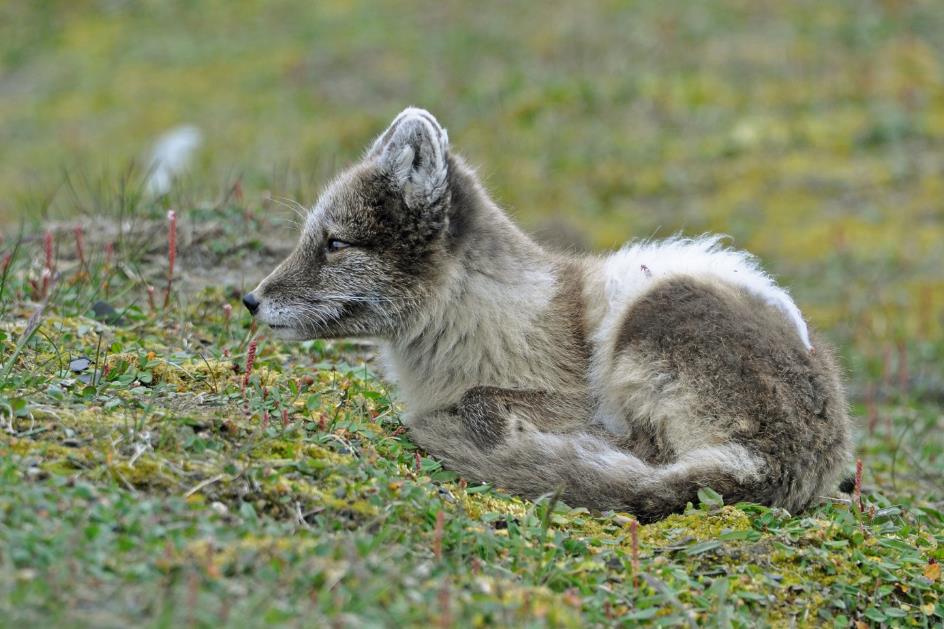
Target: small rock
{"x": 219, "y": 507}
{"x": 106, "y": 312}
{"x": 79, "y": 364}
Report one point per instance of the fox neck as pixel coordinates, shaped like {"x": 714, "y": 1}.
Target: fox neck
{"x": 479, "y": 324}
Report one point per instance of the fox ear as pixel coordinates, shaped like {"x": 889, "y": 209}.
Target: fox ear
{"x": 413, "y": 152}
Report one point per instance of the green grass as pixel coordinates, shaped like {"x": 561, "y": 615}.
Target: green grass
{"x": 155, "y": 492}
{"x": 154, "y": 483}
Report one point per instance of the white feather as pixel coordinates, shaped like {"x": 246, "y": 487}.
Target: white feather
{"x": 170, "y": 157}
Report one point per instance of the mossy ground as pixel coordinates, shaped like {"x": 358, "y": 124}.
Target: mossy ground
{"x": 155, "y": 481}
{"x": 157, "y": 485}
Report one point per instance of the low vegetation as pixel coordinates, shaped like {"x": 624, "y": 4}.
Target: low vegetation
{"x": 174, "y": 465}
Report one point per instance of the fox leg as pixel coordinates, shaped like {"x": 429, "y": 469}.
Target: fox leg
{"x": 492, "y": 414}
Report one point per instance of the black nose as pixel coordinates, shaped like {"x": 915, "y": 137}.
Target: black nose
{"x": 251, "y": 303}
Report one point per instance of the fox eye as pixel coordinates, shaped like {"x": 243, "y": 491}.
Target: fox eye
{"x": 336, "y": 245}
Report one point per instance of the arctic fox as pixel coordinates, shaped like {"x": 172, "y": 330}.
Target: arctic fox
{"x": 626, "y": 381}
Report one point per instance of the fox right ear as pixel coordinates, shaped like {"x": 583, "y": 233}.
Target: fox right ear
{"x": 412, "y": 151}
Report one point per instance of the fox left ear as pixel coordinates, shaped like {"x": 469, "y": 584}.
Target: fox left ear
{"x": 413, "y": 153}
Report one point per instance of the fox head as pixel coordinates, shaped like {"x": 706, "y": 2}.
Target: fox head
{"x": 374, "y": 243}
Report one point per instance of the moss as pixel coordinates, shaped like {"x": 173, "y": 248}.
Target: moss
{"x": 146, "y": 471}
{"x": 697, "y": 525}
{"x": 193, "y": 375}
{"x": 49, "y": 451}
{"x": 16, "y": 446}
{"x": 285, "y": 449}
{"x": 81, "y": 329}
{"x": 218, "y": 558}
{"x": 523, "y": 604}
{"x": 477, "y": 504}
{"x": 94, "y": 417}
{"x": 321, "y": 494}
{"x": 277, "y": 449}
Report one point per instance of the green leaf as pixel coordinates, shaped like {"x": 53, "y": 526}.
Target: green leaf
{"x": 709, "y": 497}
{"x": 248, "y": 512}
{"x": 836, "y": 543}
{"x": 20, "y": 407}
{"x": 641, "y": 614}
{"x": 873, "y": 614}
{"x": 703, "y": 547}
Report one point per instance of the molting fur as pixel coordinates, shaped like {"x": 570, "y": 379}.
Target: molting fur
{"x": 626, "y": 381}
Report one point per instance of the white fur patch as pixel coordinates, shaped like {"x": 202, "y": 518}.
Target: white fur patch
{"x": 633, "y": 270}
{"x": 627, "y": 275}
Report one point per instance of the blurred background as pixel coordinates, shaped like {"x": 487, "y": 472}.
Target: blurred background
{"x": 812, "y": 132}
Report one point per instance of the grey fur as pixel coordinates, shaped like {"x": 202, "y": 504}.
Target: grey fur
{"x": 624, "y": 382}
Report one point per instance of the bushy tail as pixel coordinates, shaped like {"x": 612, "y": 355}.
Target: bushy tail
{"x": 590, "y": 471}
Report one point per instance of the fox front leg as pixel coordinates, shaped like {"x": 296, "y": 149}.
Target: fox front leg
{"x": 466, "y": 436}
{"x": 490, "y": 415}
{"x": 488, "y": 418}
{"x": 486, "y": 414}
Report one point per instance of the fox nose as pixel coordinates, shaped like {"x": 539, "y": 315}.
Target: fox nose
{"x": 251, "y": 303}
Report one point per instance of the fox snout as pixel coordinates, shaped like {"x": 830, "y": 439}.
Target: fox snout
{"x": 251, "y": 303}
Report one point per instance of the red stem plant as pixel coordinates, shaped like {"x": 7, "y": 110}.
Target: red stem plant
{"x": 171, "y": 253}
{"x": 47, "y": 264}
{"x": 47, "y": 248}
{"x": 438, "y": 534}
{"x": 250, "y": 359}
{"x": 903, "y": 376}
{"x": 227, "y": 316}
{"x": 80, "y": 245}
{"x": 857, "y": 496}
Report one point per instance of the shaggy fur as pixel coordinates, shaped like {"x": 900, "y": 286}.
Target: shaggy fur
{"x": 623, "y": 382}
